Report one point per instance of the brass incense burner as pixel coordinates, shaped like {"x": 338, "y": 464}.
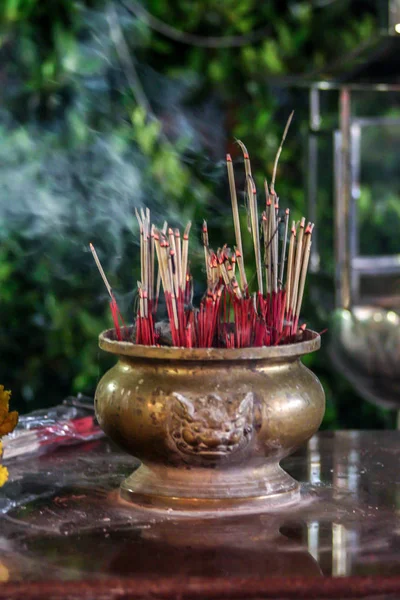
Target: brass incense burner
{"x": 209, "y": 425}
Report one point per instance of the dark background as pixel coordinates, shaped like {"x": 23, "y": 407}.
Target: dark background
{"x": 105, "y": 106}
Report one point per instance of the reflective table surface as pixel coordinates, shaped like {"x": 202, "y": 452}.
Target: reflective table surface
{"x": 64, "y": 533}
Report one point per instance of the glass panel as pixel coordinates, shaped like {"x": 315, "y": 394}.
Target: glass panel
{"x": 320, "y": 193}
{"x": 374, "y": 103}
{"x": 378, "y": 190}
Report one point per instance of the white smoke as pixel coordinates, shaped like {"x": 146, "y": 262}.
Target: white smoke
{"x": 79, "y": 176}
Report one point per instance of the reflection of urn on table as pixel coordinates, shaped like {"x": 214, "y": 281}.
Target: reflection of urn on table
{"x": 244, "y": 546}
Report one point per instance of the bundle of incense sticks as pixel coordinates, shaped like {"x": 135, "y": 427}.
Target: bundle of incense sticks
{"x": 172, "y": 257}
{"x": 145, "y": 331}
{"x": 229, "y": 314}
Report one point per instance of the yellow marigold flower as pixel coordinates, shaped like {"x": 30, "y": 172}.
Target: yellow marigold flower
{"x": 3, "y": 475}
{"x": 8, "y": 420}
{"x": 3, "y": 471}
{"x": 4, "y": 573}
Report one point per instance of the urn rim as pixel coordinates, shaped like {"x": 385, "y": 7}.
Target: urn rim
{"x": 310, "y": 343}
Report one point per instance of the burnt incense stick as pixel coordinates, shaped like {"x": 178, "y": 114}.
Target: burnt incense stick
{"x": 144, "y": 274}
{"x": 252, "y": 203}
{"x": 141, "y": 229}
{"x": 276, "y": 240}
{"x": 246, "y": 157}
{"x": 229, "y": 269}
{"x": 152, "y": 262}
{"x": 172, "y": 252}
{"x": 233, "y": 261}
{"x": 146, "y": 260}
{"x": 160, "y": 258}
{"x": 297, "y": 265}
{"x": 247, "y": 167}
{"x": 276, "y": 206}
{"x": 185, "y": 250}
{"x": 290, "y": 267}
{"x": 264, "y": 225}
{"x": 178, "y": 254}
{"x": 279, "y": 151}
{"x": 101, "y": 271}
{"x": 175, "y": 312}
{"x": 116, "y": 314}
{"x": 164, "y": 231}
{"x": 273, "y": 242}
{"x": 206, "y": 253}
{"x": 138, "y": 217}
{"x": 270, "y": 232}
{"x": 224, "y": 274}
{"x": 236, "y": 289}
{"x": 236, "y": 220}
{"x": 284, "y": 242}
{"x": 265, "y": 229}
{"x": 141, "y": 305}
{"x": 304, "y": 268}
{"x": 170, "y": 277}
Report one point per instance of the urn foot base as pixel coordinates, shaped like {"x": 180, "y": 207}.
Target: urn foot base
{"x": 196, "y": 491}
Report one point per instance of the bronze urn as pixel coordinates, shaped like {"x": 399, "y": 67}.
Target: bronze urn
{"x": 210, "y": 426}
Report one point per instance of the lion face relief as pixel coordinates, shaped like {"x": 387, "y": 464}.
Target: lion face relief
{"x": 210, "y": 427}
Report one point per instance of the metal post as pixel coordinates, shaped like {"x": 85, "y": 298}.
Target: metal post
{"x": 312, "y": 172}
{"x": 342, "y": 205}
{"x": 355, "y": 186}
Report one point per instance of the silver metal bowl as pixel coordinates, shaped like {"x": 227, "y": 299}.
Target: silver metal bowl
{"x": 365, "y": 348}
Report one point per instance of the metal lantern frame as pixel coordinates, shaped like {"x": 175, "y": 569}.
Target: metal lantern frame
{"x": 350, "y": 265}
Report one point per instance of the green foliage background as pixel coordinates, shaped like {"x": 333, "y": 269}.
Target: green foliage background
{"x": 104, "y": 108}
